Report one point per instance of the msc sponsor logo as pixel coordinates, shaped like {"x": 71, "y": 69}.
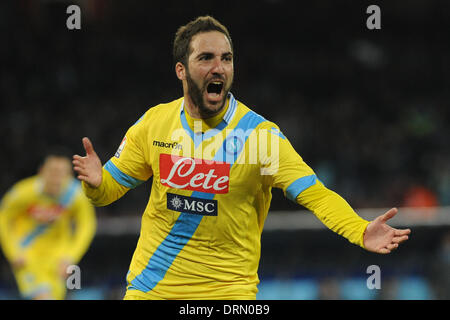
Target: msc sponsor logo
{"x": 172, "y": 145}
{"x": 193, "y": 205}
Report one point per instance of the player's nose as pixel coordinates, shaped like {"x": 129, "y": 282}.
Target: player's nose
{"x": 217, "y": 66}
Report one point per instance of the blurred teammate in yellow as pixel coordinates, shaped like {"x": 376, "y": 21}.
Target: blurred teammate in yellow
{"x": 46, "y": 224}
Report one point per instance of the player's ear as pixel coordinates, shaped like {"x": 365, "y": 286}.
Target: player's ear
{"x": 180, "y": 70}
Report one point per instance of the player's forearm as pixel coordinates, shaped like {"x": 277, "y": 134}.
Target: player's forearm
{"x": 108, "y": 191}
{"x": 333, "y": 211}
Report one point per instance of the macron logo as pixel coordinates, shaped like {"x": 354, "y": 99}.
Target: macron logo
{"x": 173, "y": 145}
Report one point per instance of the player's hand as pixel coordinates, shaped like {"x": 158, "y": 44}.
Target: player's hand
{"x": 63, "y": 268}
{"x": 382, "y": 238}
{"x": 89, "y": 167}
{"x": 18, "y": 262}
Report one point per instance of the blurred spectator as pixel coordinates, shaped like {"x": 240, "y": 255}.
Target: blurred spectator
{"x": 419, "y": 196}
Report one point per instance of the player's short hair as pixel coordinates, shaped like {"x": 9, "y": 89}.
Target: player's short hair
{"x": 184, "y": 34}
{"x": 56, "y": 151}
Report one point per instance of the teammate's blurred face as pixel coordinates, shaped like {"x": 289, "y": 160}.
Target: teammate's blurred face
{"x": 54, "y": 173}
{"x": 209, "y": 73}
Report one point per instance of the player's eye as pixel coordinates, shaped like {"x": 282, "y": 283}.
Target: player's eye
{"x": 205, "y": 57}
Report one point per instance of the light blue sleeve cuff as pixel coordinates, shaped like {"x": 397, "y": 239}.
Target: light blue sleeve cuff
{"x": 120, "y": 177}
{"x": 299, "y": 185}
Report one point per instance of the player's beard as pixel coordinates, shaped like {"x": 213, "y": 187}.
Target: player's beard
{"x": 197, "y": 95}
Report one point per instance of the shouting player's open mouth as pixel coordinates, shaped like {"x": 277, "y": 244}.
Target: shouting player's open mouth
{"x": 214, "y": 91}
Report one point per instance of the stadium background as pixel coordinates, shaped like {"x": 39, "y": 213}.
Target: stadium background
{"x": 367, "y": 109}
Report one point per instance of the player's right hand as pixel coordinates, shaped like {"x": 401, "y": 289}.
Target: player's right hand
{"x": 89, "y": 167}
{"x": 18, "y": 262}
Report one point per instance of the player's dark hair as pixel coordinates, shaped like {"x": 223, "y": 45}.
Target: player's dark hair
{"x": 56, "y": 151}
{"x": 184, "y": 34}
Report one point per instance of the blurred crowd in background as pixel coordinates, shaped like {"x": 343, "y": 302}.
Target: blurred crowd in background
{"x": 368, "y": 110}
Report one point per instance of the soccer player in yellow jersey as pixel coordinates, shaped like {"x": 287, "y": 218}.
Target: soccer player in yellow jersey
{"x": 36, "y": 221}
{"x": 213, "y": 162}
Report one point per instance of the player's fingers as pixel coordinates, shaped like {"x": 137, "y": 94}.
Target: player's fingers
{"x": 77, "y": 157}
{"x": 87, "y": 144}
{"x": 392, "y": 246}
{"x": 79, "y": 170}
{"x": 82, "y": 178}
{"x": 402, "y": 232}
{"x": 389, "y": 214}
{"x": 400, "y": 239}
{"x": 77, "y": 163}
{"x": 384, "y": 251}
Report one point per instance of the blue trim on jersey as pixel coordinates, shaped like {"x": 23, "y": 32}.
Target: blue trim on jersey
{"x": 67, "y": 198}
{"x": 199, "y": 138}
{"x": 277, "y": 132}
{"x": 64, "y": 201}
{"x": 139, "y": 120}
{"x": 185, "y": 226}
{"x": 240, "y": 133}
{"x": 163, "y": 257}
{"x": 299, "y": 185}
{"x": 120, "y": 177}
{"x": 37, "y": 231}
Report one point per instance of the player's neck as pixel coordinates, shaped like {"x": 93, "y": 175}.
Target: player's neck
{"x": 210, "y": 122}
{"x": 195, "y": 111}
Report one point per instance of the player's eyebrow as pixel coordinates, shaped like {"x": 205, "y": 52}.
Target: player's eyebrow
{"x": 228, "y": 54}
{"x": 207, "y": 54}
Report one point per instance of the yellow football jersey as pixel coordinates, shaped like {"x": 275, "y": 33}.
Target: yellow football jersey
{"x": 44, "y": 231}
{"x": 211, "y": 192}
{"x": 35, "y": 224}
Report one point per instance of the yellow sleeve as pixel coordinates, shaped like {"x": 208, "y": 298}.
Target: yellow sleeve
{"x": 83, "y": 214}
{"x": 334, "y": 212}
{"x": 300, "y": 184}
{"x": 109, "y": 190}
{"x": 10, "y": 207}
{"x": 285, "y": 166}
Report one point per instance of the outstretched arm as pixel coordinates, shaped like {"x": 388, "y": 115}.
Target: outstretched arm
{"x": 381, "y": 238}
{"x": 375, "y": 236}
{"x": 97, "y": 183}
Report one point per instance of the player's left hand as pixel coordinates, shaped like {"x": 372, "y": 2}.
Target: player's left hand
{"x": 63, "y": 266}
{"x": 382, "y": 238}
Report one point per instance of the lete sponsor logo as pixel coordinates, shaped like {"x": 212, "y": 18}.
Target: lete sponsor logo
{"x": 45, "y": 214}
{"x": 194, "y": 174}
